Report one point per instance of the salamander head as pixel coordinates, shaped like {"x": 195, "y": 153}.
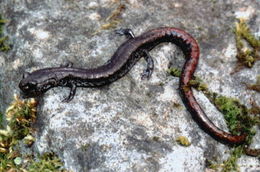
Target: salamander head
{"x": 34, "y": 84}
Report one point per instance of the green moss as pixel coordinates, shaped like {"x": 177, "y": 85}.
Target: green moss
{"x": 174, "y": 72}
{"x": 20, "y": 116}
{"x": 243, "y": 30}
{"x": 6, "y": 163}
{"x": 196, "y": 82}
{"x": 246, "y": 56}
{"x": 231, "y": 163}
{"x": 235, "y": 114}
{"x": 4, "y": 45}
{"x": 47, "y": 162}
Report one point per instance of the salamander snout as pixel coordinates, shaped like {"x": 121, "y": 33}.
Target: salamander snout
{"x": 26, "y": 87}
{"x": 29, "y": 87}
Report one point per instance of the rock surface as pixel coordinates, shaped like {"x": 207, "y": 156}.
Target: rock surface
{"x": 130, "y": 125}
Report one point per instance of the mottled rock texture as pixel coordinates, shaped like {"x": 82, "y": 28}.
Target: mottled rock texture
{"x": 130, "y": 125}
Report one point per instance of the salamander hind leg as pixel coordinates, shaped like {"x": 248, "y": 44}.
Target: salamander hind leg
{"x": 72, "y": 93}
{"x": 127, "y": 32}
{"x": 147, "y": 73}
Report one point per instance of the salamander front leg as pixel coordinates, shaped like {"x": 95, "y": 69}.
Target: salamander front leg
{"x": 127, "y": 32}
{"x": 147, "y": 73}
{"x": 73, "y": 88}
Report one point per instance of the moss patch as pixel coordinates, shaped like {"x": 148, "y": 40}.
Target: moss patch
{"x": 4, "y": 44}
{"x": 247, "y": 44}
{"x": 231, "y": 163}
{"x": 20, "y": 116}
{"x": 235, "y": 114}
{"x": 46, "y": 162}
{"x": 174, "y": 72}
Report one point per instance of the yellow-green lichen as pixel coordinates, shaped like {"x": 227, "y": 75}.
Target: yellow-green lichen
{"x": 183, "y": 141}
{"x": 4, "y": 45}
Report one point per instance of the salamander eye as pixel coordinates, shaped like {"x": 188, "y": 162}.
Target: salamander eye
{"x": 30, "y": 85}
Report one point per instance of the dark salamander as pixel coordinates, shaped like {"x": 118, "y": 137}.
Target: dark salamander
{"x": 38, "y": 82}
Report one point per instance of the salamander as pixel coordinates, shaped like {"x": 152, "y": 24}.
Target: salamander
{"x": 38, "y": 82}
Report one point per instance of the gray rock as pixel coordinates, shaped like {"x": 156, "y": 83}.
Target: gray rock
{"x": 130, "y": 125}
